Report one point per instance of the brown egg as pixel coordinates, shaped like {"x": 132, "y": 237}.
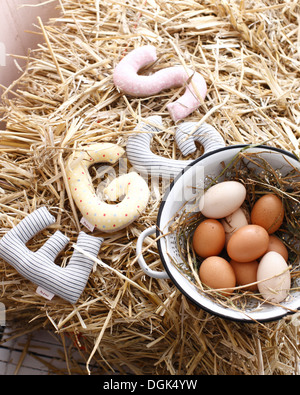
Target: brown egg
{"x": 209, "y": 238}
{"x": 248, "y": 243}
{"x": 246, "y": 273}
{"x": 217, "y": 273}
{"x": 268, "y": 212}
{"x": 275, "y": 244}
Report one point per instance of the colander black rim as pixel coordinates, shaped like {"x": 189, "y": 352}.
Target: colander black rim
{"x": 159, "y": 241}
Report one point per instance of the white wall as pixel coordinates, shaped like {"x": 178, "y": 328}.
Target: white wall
{"x": 15, "y": 19}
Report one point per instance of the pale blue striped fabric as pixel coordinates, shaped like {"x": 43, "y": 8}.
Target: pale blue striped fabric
{"x": 188, "y": 132}
{"x": 144, "y": 161}
{"x": 39, "y": 267}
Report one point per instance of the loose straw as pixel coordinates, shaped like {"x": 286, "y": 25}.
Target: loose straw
{"x": 127, "y": 322}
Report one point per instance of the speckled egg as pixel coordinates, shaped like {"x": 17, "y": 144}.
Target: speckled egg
{"x": 209, "y": 238}
{"x": 268, "y": 212}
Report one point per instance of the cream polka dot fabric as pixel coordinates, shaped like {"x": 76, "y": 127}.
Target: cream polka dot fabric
{"x": 131, "y": 188}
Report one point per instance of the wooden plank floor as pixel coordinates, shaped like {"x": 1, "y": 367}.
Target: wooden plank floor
{"x": 40, "y": 353}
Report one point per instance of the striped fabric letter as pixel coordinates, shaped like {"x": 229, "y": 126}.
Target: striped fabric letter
{"x": 39, "y": 267}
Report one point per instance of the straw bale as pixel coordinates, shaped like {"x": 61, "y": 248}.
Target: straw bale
{"x": 248, "y": 53}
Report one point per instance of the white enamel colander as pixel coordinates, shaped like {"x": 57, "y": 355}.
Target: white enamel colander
{"x": 180, "y": 191}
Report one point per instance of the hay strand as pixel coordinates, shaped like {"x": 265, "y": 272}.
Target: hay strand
{"x": 248, "y": 53}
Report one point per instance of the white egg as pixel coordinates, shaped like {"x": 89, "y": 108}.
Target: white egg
{"x": 222, "y": 199}
{"x": 233, "y": 222}
{"x": 274, "y": 270}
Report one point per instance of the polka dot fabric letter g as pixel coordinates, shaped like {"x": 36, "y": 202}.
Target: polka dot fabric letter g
{"x": 131, "y": 187}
